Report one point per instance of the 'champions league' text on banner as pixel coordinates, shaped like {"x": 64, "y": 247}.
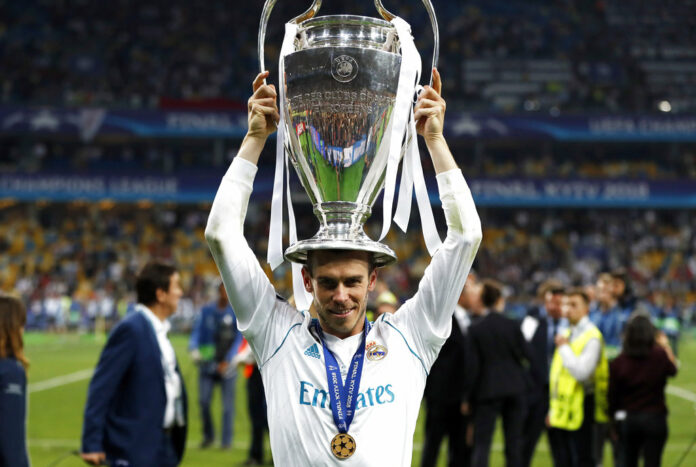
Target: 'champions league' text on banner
{"x": 486, "y": 192}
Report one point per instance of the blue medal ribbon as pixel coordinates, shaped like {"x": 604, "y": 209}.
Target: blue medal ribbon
{"x": 342, "y": 396}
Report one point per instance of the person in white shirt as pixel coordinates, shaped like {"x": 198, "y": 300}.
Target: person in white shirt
{"x": 313, "y": 419}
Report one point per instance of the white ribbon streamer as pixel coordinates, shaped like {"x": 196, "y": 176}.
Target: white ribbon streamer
{"x": 303, "y": 299}
{"x": 412, "y": 170}
{"x": 430, "y": 235}
{"x": 275, "y": 234}
{"x": 410, "y": 63}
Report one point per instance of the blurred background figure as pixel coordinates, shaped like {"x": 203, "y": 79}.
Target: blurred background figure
{"x": 214, "y": 342}
{"x": 447, "y": 410}
{"x": 256, "y": 404}
{"x": 496, "y": 382}
{"x": 13, "y": 384}
{"x": 386, "y": 303}
{"x": 607, "y": 314}
{"x": 540, "y": 327}
{"x": 578, "y": 385}
{"x": 637, "y": 381}
{"x": 136, "y": 411}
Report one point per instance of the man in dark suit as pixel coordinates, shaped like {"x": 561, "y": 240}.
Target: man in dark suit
{"x": 540, "y": 327}
{"x": 496, "y": 379}
{"x": 447, "y": 413}
{"x": 136, "y": 405}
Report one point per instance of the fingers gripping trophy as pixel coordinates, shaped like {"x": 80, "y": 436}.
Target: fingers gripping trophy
{"x": 339, "y": 388}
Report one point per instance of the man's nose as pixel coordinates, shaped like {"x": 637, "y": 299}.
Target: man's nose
{"x": 340, "y": 293}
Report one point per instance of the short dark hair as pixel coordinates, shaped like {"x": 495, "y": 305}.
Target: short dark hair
{"x": 155, "y": 275}
{"x": 620, "y": 274}
{"x": 579, "y": 292}
{"x": 491, "y": 291}
{"x": 639, "y": 336}
{"x": 311, "y": 255}
{"x": 550, "y": 285}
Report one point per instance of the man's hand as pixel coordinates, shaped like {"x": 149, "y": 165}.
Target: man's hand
{"x": 429, "y": 114}
{"x": 430, "y": 110}
{"x": 195, "y": 355}
{"x": 94, "y": 458}
{"x": 561, "y": 340}
{"x": 263, "y": 109}
{"x": 464, "y": 408}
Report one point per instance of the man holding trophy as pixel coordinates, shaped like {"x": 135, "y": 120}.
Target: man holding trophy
{"x": 339, "y": 388}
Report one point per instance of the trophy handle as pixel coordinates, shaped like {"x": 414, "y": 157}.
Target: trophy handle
{"x": 266, "y": 14}
{"x": 387, "y": 15}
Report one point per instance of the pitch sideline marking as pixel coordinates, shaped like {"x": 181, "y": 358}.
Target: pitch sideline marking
{"x": 60, "y": 381}
{"x": 681, "y": 393}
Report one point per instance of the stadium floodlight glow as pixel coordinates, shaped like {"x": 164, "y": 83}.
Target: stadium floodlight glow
{"x": 664, "y": 106}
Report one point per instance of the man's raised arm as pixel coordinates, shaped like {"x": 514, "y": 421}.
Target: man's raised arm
{"x": 247, "y": 286}
{"x": 429, "y": 312}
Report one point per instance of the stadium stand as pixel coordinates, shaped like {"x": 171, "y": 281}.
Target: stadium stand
{"x": 79, "y": 258}
{"x": 515, "y": 55}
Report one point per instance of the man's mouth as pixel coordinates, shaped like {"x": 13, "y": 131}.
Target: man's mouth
{"x": 342, "y": 312}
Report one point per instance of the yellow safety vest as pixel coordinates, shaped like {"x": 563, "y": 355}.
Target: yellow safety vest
{"x": 567, "y": 394}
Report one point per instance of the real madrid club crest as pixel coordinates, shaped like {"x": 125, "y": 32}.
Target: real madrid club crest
{"x": 375, "y": 352}
{"x": 343, "y": 445}
{"x": 344, "y": 68}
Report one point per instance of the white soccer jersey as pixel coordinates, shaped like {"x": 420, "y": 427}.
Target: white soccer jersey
{"x": 400, "y": 348}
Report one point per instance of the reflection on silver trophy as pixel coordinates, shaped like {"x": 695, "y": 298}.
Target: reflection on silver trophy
{"x": 340, "y": 88}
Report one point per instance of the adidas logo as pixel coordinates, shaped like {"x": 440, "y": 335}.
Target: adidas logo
{"x": 313, "y": 351}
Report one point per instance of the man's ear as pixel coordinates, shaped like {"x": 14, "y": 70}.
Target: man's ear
{"x": 307, "y": 280}
{"x": 160, "y": 294}
{"x": 372, "y": 281}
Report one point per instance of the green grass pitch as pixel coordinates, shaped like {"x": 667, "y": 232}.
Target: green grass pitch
{"x": 55, "y": 414}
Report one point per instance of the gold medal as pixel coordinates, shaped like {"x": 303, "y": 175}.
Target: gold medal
{"x": 343, "y": 446}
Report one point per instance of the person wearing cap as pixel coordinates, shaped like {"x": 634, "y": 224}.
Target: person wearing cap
{"x": 339, "y": 386}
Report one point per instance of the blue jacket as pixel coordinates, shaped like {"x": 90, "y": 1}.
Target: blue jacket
{"x": 126, "y": 398}
{"x": 205, "y": 333}
{"x": 610, "y": 324}
{"x": 13, "y": 413}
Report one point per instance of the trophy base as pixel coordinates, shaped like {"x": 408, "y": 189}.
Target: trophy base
{"x": 341, "y": 230}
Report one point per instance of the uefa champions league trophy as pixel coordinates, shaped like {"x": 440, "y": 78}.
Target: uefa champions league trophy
{"x": 338, "y": 101}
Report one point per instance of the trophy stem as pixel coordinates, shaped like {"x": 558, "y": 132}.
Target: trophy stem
{"x": 341, "y": 228}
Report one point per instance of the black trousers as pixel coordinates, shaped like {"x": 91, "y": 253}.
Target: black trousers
{"x": 257, "y": 414}
{"x": 643, "y": 434}
{"x": 534, "y": 423}
{"x": 575, "y": 448}
{"x": 445, "y": 421}
{"x": 486, "y": 412}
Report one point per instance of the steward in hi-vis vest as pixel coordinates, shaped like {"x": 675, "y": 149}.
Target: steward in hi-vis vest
{"x": 578, "y": 385}
{"x": 567, "y": 393}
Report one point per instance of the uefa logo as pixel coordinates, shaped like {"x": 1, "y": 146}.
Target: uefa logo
{"x": 344, "y": 68}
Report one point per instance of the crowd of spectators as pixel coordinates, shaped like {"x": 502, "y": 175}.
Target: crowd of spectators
{"x": 134, "y": 54}
{"x": 532, "y": 159}
{"x": 73, "y": 263}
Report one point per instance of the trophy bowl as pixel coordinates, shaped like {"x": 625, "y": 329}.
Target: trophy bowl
{"x": 340, "y": 87}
